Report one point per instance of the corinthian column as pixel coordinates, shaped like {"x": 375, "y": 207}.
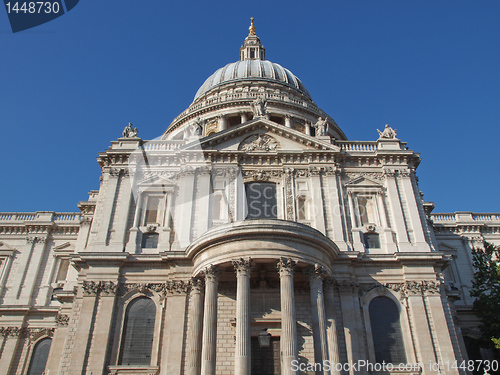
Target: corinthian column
{"x": 208, "y": 353}
{"x": 331, "y": 328}
{"x": 242, "y": 359}
{"x": 194, "y": 338}
{"x": 288, "y": 339}
{"x": 316, "y": 276}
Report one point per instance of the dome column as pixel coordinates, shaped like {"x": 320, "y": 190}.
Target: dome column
{"x": 242, "y": 365}
{"x": 209, "y": 341}
{"x": 222, "y": 122}
{"x": 288, "y": 342}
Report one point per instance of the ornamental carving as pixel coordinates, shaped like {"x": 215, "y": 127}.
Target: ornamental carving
{"x": 397, "y": 172}
{"x": 316, "y": 272}
{"x": 11, "y": 331}
{"x": 242, "y": 265}
{"x": 164, "y": 174}
{"x": 62, "y": 320}
{"x": 196, "y": 284}
{"x": 259, "y": 143}
{"x": 162, "y": 289}
{"x": 406, "y": 289}
{"x": 370, "y": 175}
{"x": 211, "y": 273}
{"x": 35, "y": 333}
{"x": 100, "y": 287}
{"x": 115, "y": 172}
{"x": 286, "y": 265}
{"x": 289, "y": 194}
{"x": 261, "y": 174}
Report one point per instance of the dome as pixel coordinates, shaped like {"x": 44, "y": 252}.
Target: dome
{"x": 252, "y": 70}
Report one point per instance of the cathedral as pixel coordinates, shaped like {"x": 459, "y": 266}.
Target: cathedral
{"x": 252, "y": 237}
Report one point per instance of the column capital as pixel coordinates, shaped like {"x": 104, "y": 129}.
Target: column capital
{"x": 286, "y": 266}
{"x": 211, "y": 273}
{"x": 196, "y": 284}
{"x": 242, "y": 265}
{"x": 316, "y": 272}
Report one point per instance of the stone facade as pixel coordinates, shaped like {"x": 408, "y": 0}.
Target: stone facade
{"x": 252, "y": 216}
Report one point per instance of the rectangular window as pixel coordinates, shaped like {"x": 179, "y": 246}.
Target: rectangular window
{"x": 301, "y": 208}
{"x": 261, "y": 200}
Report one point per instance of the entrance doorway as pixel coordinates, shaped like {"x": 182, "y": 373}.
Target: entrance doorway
{"x": 266, "y": 361}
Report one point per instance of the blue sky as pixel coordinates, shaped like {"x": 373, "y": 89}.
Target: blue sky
{"x": 428, "y": 68}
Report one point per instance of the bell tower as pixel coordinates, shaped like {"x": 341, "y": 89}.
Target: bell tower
{"x": 252, "y": 48}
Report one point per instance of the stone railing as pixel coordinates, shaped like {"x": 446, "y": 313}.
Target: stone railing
{"x": 162, "y": 145}
{"x": 362, "y": 146}
{"x": 67, "y": 217}
{"x": 60, "y": 217}
{"x": 465, "y": 217}
{"x": 19, "y": 216}
{"x": 244, "y": 96}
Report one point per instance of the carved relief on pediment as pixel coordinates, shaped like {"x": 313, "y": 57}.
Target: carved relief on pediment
{"x": 259, "y": 143}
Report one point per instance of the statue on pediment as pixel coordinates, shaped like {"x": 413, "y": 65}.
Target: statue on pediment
{"x": 259, "y": 106}
{"x": 321, "y": 127}
{"x": 129, "y": 131}
{"x": 388, "y": 133}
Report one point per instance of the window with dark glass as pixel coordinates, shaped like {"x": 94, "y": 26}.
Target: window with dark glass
{"x": 372, "y": 240}
{"x": 138, "y": 333}
{"x": 261, "y": 200}
{"x": 386, "y": 331}
{"x": 150, "y": 240}
{"x": 39, "y": 357}
{"x": 301, "y": 208}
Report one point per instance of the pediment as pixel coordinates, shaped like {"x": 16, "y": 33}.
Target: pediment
{"x": 274, "y": 138}
{"x": 363, "y": 182}
{"x": 6, "y": 249}
{"x": 66, "y": 247}
{"x": 157, "y": 178}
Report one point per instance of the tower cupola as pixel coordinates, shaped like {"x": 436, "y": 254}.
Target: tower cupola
{"x": 252, "y": 48}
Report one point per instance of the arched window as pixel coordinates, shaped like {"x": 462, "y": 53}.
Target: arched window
{"x": 39, "y": 357}
{"x": 261, "y": 200}
{"x": 386, "y": 331}
{"x": 138, "y": 332}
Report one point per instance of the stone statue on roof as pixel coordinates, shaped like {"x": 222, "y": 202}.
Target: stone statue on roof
{"x": 259, "y": 107}
{"x": 321, "y": 127}
{"x": 388, "y": 133}
{"x": 129, "y": 131}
